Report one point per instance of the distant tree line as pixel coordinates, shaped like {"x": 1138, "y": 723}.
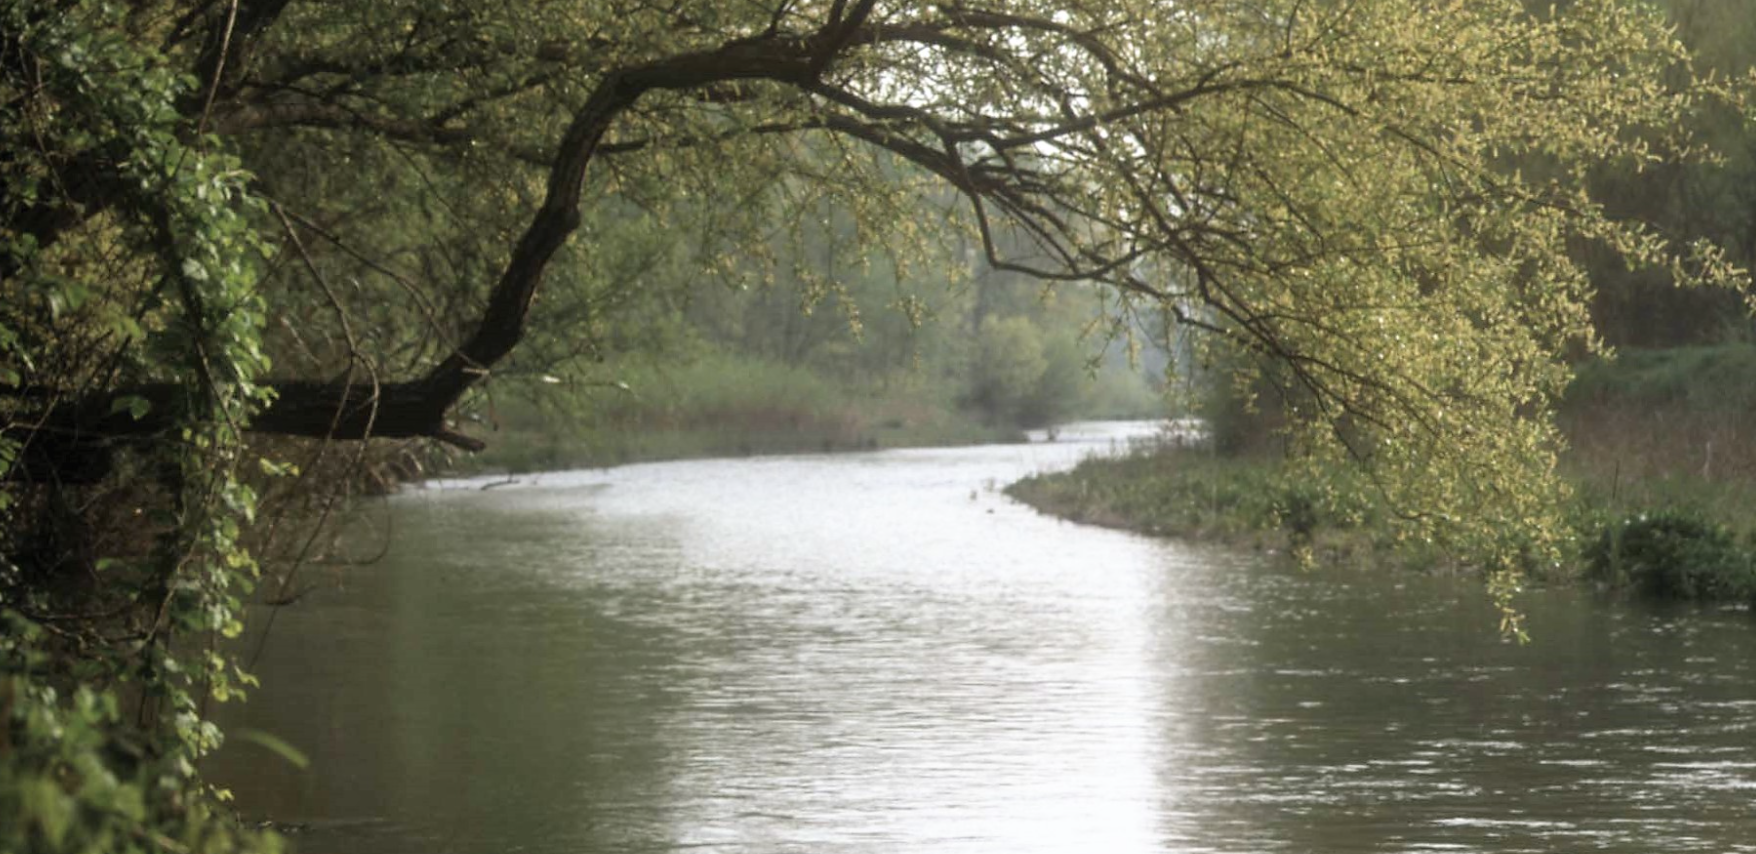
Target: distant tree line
{"x": 239, "y": 239}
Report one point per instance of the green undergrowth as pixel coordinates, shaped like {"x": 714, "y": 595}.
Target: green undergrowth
{"x": 1674, "y": 537}
{"x": 1250, "y": 502}
{"x": 1664, "y": 415}
{"x": 1663, "y": 500}
{"x": 1695, "y": 541}
{"x": 725, "y": 406}
{"x": 1665, "y": 471}
{"x": 1672, "y": 554}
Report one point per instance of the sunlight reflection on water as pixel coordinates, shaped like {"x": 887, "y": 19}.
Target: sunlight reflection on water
{"x": 879, "y": 652}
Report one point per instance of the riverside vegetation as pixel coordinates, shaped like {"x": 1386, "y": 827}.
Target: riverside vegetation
{"x": 729, "y": 405}
{"x": 1653, "y": 448}
{"x": 746, "y": 371}
{"x": 248, "y": 248}
{"x": 1662, "y": 475}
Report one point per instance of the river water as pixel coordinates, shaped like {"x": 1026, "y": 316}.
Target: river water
{"x": 881, "y": 653}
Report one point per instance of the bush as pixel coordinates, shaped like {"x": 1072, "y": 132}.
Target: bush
{"x": 1007, "y": 367}
{"x": 1674, "y": 555}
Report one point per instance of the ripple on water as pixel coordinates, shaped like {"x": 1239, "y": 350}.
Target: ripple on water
{"x": 850, "y": 654}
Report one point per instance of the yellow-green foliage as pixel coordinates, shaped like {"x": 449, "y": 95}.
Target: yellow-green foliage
{"x": 1380, "y": 196}
{"x": 1649, "y": 510}
{"x": 1383, "y": 196}
{"x": 81, "y": 770}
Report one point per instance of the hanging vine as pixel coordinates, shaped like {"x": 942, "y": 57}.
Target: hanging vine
{"x": 113, "y": 593}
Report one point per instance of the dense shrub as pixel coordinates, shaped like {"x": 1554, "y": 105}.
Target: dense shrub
{"x": 1673, "y": 555}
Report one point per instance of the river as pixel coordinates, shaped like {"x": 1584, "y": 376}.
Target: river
{"x": 881, "y": 653}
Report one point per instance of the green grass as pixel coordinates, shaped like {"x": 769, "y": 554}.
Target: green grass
{"x": 1246, "y": 501}
{"x": 1663, "y": 469}
{"x": 723, "y": 406}
{"x": 1664, "y": 415}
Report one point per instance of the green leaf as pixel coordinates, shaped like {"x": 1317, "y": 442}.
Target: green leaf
{"x": 276, "y": 745}
{"x": 193, "y": 271}
{"x": 135, "y": 405}
{"x": 273, "y": 468}
{"x": 51, "y": 807}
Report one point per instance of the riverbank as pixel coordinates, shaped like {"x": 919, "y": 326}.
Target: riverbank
{"x": 739, "y": 431}
{"x": 732, "y": 406}
{"x": 1685, "y": 540}
{"x": 1177, "y": 490}
{"x": 1663, "y": 500}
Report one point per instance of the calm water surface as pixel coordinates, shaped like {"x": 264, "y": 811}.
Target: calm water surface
{"x": 881, "y": 653}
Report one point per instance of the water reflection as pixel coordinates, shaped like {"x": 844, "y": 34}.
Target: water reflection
{"x": 1367, "y": 717}
{"x": 879, "y": 653}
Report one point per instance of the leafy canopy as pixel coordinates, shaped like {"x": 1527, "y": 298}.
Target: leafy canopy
{"x": 1385, "y": 198}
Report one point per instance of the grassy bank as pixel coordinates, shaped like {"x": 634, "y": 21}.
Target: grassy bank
{"x": 1251, "y": 502}
{"x": 1664, "y": 486}
{"x": 726, "y": 406}
{"x": 710, "y": 402}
